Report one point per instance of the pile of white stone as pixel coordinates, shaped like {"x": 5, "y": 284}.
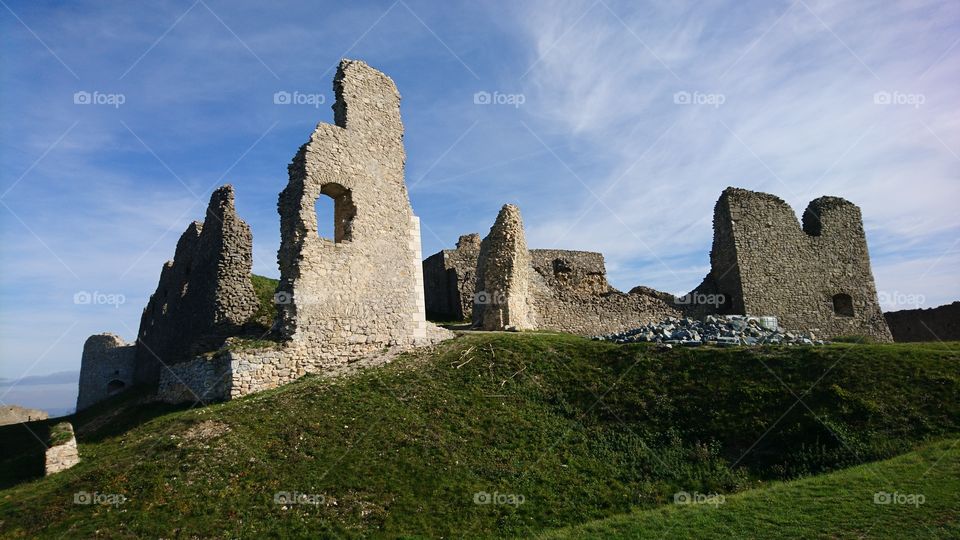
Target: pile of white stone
{"x": 724, "y": 331}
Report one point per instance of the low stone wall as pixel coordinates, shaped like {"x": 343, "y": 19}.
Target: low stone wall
{"x": 64, "y": 455}
{"x": 201, "y": 380}
{"x": 233, "y": 374}
{"x": 934, "y": 324}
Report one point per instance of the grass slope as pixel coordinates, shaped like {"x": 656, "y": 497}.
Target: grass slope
{"x": 404, "y": 449}
{"x": 836, "y": 505}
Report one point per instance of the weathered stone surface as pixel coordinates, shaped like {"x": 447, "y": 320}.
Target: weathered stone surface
{"x": 15, "y": 414}
{"x": 342, "y": 300}
{"x": 502, "y": 299}
{"x": 814, "y": 279}
{"x": 568, "y": 290}
{"x": 205, "y": 293}
{"x": 934, "y": 324}
{"x": 106, "y": 368}
{"x": 61, "y": 455}
{"x": 449, "y": 278}
{"x": 363, "y": 289}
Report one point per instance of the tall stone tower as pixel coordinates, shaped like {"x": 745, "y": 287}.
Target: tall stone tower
{"x": 362, "y": 289}
{"x": 813, "y": 278}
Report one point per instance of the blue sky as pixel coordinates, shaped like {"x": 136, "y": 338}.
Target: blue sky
{"x": 614, "y": 126}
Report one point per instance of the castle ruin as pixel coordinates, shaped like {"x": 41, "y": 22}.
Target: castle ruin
{"x": 335, "y": 303}
{"x": 815, "y": 277}
{"x": 546, "y": 289}
{"x": 341, "y": 301}
{"x": 204, "y": 294}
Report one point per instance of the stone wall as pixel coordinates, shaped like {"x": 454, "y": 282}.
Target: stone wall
{"x": 449, "y": 278}
{"x": 565, "y": 291}
{"x": 815, "y": 278}
{"x": 344, "y": 299}
{"x": 503, "y": 299}
{"x": 14, "y": 414}
{"x": 204, "y": 294}
{"x": 362, "y": 290}
{"x": 61, "y": 454}
{"x": 106, "y": 368}
{"x": 933, "y": 324}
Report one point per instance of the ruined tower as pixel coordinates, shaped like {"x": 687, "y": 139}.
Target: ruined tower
{"x": 204, "y": 294}
{"x": 362, "y": 289}
{"x": 813, "y": 278}
{"x": 502, "y": 299}
{"x": 106, "y": 368}
{"x": 449, "y": 278}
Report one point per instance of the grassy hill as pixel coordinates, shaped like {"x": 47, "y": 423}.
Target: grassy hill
{"x": 919, "y": 492}
{"x": 576, "y": 430}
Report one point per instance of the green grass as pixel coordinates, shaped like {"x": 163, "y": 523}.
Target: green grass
{"x": 60, "y": 434}
{"x": 262, "y": 320}
{"x": 583, "y": 430}
{"x": 926, "y": 504}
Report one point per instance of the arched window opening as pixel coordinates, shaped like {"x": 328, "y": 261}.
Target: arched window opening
{"x": 115, "y": 386}
{"x": 335, "y": 212}
{"x": 843, "y": 305}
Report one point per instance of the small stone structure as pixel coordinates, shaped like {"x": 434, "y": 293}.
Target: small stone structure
{"x": 15, "y": 414}
{"x": 545, "y": 289}
{"x": 933, "y": 324}
{"x": 204, "y": 295}
{"x": 449, "y": 278}
{"x": 107, "y": 368}
{"x": 62, "y": 451}
{"x": 815, "y": 278}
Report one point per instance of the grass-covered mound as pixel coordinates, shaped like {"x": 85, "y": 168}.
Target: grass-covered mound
{"x": 916, "y": 495}
{"x": 580, "y": 430}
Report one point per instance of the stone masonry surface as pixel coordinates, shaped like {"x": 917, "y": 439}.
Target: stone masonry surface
{"x": 815, "y": 278}
{"x": 934, "y": 324}
{"x": 558, "y": 290}
{"x": 362, "y": 290}
{"x": 502, "y": 299}
{"x": 449, "y": 278}
{"x": 205, "y": 293}
{"x": 344, "y": 299}
{"x": 61, "y": 455}
{"x": 107, "y": 367}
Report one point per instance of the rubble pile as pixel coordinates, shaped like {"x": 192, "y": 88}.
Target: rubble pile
{"x": 724, "y": 331}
